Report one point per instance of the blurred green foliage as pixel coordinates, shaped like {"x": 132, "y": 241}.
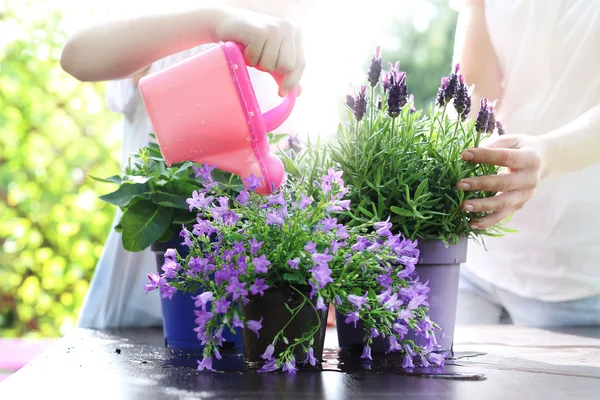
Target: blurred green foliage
{"x": 54, "y": 131}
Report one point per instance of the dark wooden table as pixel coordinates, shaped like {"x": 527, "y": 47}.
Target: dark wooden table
{"x": 518, "y": 363}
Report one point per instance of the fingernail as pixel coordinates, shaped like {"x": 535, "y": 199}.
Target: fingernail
{"x": 469, "y": 208}
{"x": 468, "y": 155}
{"x": 464, "y": 186}
{"x": 283, "y": 93}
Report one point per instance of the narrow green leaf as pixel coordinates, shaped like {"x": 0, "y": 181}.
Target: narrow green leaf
{"x": 112, "y": 179}
{"x": 401, "y": 211}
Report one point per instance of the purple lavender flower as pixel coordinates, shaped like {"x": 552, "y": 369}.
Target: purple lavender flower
{"x": 375, "y": 68}
{"x": 350, "y": 101}
{"x": 258, "y": 286}
{"x": 304, "y": 202}
{"x": 386, "y": 81}
{"x": 360, "y": 106}
{"x": 383, "y": 227}
{"x": 254, "y": 326}
{"x": 269, "y": 366}
{"x": 202, "y": 299}
{"x": 260, "y": 264}
{"x": 482, "y": 117}
{"x": 397, "y": 98}
{"x": 500, "y": 128}
{"x": 290, "y": 366}
{"x": 320, "y": 304}
{"x": 358, "y": 301}
{"x": 205, "y": 364}
{"x": 293, "y": 263}
{"x": 352, "y": 318}
{"x": 167, "y": 291}
{"x": 199, "y": 201}
{"x": 222, "y": 305}
{"x": 154, "y": 282}
{"x": 491, "y": 117}
{"x": 236, "y": 288}
{"x": 268, "y": 354}
{"x": 310, "y": 357}
{"x": 440, "y": 98}
{"x": 366, "y": 354}
{"x": 243, "y": 197}
{"x": 460, "y": 97}
{"x": 393, "y": 344}
{"x": 411, "y": 100}
{"x": 253, "y": 182}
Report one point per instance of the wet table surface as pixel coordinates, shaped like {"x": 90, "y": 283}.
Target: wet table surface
{"x": 491, "y": 362}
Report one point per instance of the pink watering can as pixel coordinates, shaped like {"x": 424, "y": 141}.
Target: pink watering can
{"x": 204, "y": 109}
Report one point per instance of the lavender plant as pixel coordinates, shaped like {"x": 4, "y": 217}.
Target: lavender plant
{"x": 402, "y": 163}
{"x": 245, "y": 245}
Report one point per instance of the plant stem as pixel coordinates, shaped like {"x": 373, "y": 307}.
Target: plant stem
{"x": 372, "y": 108}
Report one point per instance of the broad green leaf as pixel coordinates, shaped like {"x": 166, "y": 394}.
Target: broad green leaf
{"x": 170, "y": 200}
{"x": 143, "y": 225}
{"x": 125, "y": 193}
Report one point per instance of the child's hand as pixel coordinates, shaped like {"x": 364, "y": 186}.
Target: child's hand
{"x": 272, "y": 44}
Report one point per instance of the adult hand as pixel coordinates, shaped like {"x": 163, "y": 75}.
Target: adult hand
{"x": 523, "y": 157}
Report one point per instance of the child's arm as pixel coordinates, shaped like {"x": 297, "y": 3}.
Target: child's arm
{"x": 120, "y": 48}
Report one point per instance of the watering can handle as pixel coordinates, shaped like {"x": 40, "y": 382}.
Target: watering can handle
{"x": 277, "y": 115}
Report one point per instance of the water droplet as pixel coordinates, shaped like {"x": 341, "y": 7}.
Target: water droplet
{"x": 251, "y": 113}
{"x": 235, "y": 66}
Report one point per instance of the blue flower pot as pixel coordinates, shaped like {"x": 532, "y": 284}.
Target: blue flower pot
{"x": 178, "y": 313}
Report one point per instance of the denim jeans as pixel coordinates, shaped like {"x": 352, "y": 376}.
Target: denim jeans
{"x": 480, "y": 302}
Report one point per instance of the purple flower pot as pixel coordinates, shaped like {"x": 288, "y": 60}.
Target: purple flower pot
{"x": 440, "y": 265}
{"x": 178, "y": 313}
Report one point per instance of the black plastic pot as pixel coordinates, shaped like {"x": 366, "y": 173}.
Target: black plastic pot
{"x": 272, "y": 308}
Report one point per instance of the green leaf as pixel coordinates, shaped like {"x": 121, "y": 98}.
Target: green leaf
{"x": 402, "y": 211}
{"x": 295, "y": 277}
{"x": 143, "y": 225}
{"x": 170, "y": 200}
{"x": 183, "y": 170}
{"x": 112, "y": 179}
{"x": 136, "y": 179}
{"x": 125, "y": 193}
